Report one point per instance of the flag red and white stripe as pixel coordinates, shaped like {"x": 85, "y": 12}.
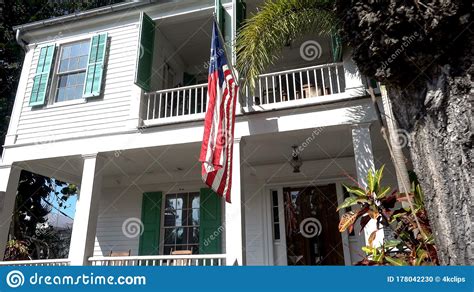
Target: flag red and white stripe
{"x": 217, "y": 143}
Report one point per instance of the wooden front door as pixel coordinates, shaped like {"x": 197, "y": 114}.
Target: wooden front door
{"x": 312, "y": 235}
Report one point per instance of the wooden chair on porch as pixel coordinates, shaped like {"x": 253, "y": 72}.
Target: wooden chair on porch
{"x": 119, "y": 254}
{"x": 181, "y": 262}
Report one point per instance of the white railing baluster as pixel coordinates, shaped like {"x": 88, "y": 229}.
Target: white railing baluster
{"x": 273, "y": 89}
{"x": 172, "y": 104}
{"x": 330, "y": 80}
{"x": 294, "y": 86}
{"x": 266, "y": 90}
{"x": 290, "y": 87}
{"x": 308, "y": 83}
{"x": 280, "y": 87}
{"x": 301, "y": 85}
{"x": 166, "y": 104}
{"x": 322, "y": 78}
{"x": 316, "y": 82}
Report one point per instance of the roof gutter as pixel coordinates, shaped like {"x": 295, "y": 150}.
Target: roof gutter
{"x": 21, "y": 42}
{"x": 81, "y": 15}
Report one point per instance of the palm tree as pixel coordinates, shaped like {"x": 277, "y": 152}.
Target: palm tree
{"x": 421, "y": 51}
{"x": 277, "y": 24}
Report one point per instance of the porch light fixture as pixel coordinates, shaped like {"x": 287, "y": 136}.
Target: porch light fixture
{"x": 295, "y": 161}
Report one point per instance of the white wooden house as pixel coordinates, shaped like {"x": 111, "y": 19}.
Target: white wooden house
{"x": 113, "y": 100}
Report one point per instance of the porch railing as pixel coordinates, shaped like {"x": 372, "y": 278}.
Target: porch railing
{"x": 161, "y": 260}
{"x": 51, "y": 262}
{"x": 297, "y": 84}
{"x": 176, "y": 104}
{"x": 279, "y": 89}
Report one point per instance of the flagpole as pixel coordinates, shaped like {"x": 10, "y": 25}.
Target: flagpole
{"x": 232, "y": 70}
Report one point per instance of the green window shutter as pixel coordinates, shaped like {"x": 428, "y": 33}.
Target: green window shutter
{"x": 210, "y": 228}
{"x": 145, "y": 52}
{"x": 336, "y": 46}
{"x": 241, "y": 13}
{"x": 41, "y": 78}
{"x": 95, "y": 66}
{"x": 220, "y": 14}
{"x": 151, "y": 219}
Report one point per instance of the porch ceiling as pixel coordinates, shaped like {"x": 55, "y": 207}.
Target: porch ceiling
{"x": 181, "y": 161}
{"x": 325, "y": 143}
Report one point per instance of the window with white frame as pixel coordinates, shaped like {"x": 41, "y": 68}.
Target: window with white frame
{"x": 181, "y": 222}
{"x": 71, "y": 70}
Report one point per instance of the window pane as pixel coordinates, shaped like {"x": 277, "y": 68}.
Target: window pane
{"x": 194, "y": 198}
{"x": 180, "y": 236}
{"x": 276, "y": 231}
{"x": 82, "y": 62}
{"x": 66, "y": 52}
{"x": 194, "y": 217}
{"x": 181, "y": 200}
{"x": 275, "y": 198}
{"x": 61, "y": 94}
{"x": 167, "y": 250}
{"x": 170, "y": 236}
{"x": 194, "y": 235}
{"x": 64, "y": 65}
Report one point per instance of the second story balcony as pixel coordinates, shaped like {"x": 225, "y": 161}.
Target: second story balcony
{"x": 178, "y": 83}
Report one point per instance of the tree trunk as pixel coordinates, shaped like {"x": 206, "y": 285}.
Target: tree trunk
{"x": 437, "y": 118}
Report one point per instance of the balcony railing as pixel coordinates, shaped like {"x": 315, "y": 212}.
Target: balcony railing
{"x": 160, "y": 260}
{"x": 282, "y": 89}
{"x": 189, "y": 102}
{"x": 286, "y": 87}
{"x": 52, "y": 262}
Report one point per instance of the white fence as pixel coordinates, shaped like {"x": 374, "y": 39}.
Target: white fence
{"x": 160, "y": 260}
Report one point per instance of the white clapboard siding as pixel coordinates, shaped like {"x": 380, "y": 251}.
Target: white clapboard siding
{"x": 116, "y": 206}
{"x": 103, "y": 115}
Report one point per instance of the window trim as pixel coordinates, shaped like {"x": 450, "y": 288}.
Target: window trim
{"x": 162, "y": 221}
{"x": 51, "y": 102}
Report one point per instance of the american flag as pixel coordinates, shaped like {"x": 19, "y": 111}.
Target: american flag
{"x": 217, "y": 143}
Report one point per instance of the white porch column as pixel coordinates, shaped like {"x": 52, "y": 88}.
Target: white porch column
{"x": 353, "y": 79}
{"x": 234, "y": 214}
{"x": 364, "y": 161}
{"x": 85, "y": 219}
{"x": 9, "y": 179}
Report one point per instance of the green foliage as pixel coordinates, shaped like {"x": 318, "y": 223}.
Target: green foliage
{"x": 414, "y": 244}
{"x": 30, "y": 216}
{"x": 16, "y": 250}
{"x": 277, "y": 24}
{"x": 392, "y": 40}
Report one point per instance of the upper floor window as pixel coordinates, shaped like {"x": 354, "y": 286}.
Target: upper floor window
{"x": 69, "y": 71}
{"x": 72, "y": 70}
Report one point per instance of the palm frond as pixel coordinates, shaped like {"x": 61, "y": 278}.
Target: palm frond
{"x": 276, "y": 24}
